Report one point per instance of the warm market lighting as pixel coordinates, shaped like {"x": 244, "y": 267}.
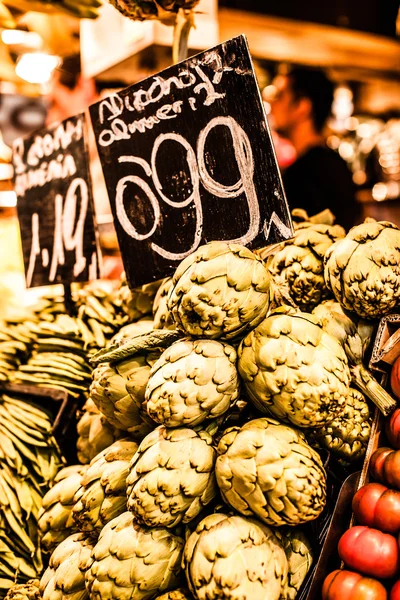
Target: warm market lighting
{"x": 36, "y": 67}
{"x": 379, "y": 192}
{"x": 346, "y": 150}
{"x": 342, "y": 106}
{"x": 352, "y": 123}
{"x": 18, "y": 37}
{"x": 8, "y": 199}
{"x": 359, "y": 177}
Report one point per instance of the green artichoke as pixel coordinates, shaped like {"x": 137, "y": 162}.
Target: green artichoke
{"x": 294, "y": 370}
{"x": 129, "y": 561}
{"x": 268, "y": 470}
{"x": 109, "y": 392}
{"x": 65, "y": 576}
{"x": 299, "y": 556}
{"x": 229, "y": 557}
{"x": 346, "y": 436}
{"x": 162, "y": 316}
{"x": 363, "y": 269}
{"x": 121, "y": 376}
{"x": 180, "y": 594}
{"x": 171, "y": 477}
{"x": 25, "y": 591}
{"x": 94, "y": 433}
{"x": 139, "y": 302}
{"x": 163, "y": 10}
{"x": 193, "y": 380}
{"x": 102, "y": 494}
{"x": 300, "y": 263}
{"x": 355, "y": 335}
{"x": 220, "y": 291}
{"x": 55, "y": 520}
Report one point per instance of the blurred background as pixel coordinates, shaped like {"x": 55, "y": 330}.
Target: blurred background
{"x": 54, "y": 64}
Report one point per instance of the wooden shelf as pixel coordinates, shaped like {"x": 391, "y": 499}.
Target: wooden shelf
{"x": 307, "y": 43}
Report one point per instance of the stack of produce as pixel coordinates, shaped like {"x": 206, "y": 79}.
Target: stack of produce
{"x": 16, "y": 341}
{"x": 375, "y": 574}
{"x": 172, "y": 391}
{"x": 185, "y": 506}
{"x": 29, "y": 461}
{"x": 60, "y": 357}
{"x": 64, "y": 343}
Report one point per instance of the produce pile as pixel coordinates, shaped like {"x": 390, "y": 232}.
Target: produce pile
{"x": 203, "y": 435}
{"x": 374, "y": 574}
{"x": 29, "y": 462}
{"x": 50, "y": 348}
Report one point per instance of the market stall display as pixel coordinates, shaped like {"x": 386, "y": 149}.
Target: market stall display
{"x": 220, "y": 408}
{"x": 181, "y": 468}
{"x": 376, "y": 504}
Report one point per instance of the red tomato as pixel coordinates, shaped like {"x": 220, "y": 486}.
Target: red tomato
{"x": 392, "y": 428}
{"x": 377, "y": 506}
{"x": 385, "y": 466}
{"x": 346, "y": 585}
{"x": 395, "y": 378}
{"x": 370, "y": 551}
{"x": 395, "y": 591}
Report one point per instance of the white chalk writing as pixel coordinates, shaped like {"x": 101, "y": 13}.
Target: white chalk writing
{"x": 67, "y": 236}
{"x": 198, "y": 175}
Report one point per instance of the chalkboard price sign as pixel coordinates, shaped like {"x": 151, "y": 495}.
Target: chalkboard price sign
{"x": 188, "y": 158}
{"x": 55, "y": 205}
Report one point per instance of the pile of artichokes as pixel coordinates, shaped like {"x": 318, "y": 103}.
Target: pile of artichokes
{"x": 202, "y": 433}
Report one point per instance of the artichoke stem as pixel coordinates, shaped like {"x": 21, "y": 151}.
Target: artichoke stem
{"x": 371, "y": 388}
{"x": 183, "y": 24}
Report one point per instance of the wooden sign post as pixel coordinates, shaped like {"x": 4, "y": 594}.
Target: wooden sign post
{"x": 55, "y": 205}
{"x": 188, "y": 158}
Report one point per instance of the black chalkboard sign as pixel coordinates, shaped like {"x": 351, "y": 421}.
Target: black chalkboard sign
{"x": 188, "y": 158}
{"x": 55, "y": 205}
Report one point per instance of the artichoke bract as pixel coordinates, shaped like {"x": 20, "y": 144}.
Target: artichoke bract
{"x": 299, "y": 556}
{"x": 129, "y": 561}
{"x": 65, "y": 576}
{"x": 25, "y": 591}
{"x": 300, "y": 263}
{"x": 162, "y": 316}
{"x": 294, "y": 370}
{"x": 220, "y": 291}
{"x": 94, "y": 433}
{"x": 363, "y": 269}
{"x": 267, "y": 469}
{"x": 232, "y": 558}
{"x": 346, "y": 436}
{"x": 193, "y": 380}
{"x": 55, "y": 520}
{"x": 171, "y": 477}
{"x": 102, "y": 493}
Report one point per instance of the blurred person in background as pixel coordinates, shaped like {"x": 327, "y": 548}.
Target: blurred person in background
{"x": 319, "y": 178}
{"x": 70, "y": 94}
